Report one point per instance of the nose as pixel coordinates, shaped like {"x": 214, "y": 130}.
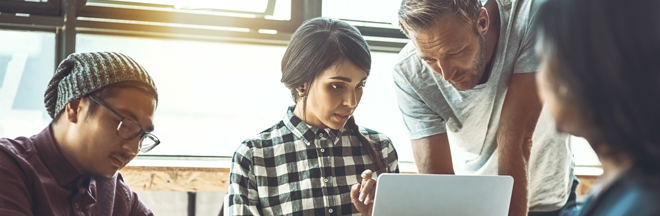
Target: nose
{"x": 351, "y": 99}
{"x": 132, "y": 147}
{"x": 446, "y": 69}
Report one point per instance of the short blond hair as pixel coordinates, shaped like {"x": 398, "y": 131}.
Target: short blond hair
{"x": 418, "y": 15}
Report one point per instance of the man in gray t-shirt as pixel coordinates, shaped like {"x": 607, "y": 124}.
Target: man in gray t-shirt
{"x": 466, "y": 89}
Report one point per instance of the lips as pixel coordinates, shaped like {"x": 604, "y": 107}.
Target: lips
{"x": 342, "y": 117}
{"x": 460, "y": 79}
{"x": 118, "y": 160}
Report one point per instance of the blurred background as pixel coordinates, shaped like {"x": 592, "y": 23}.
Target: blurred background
{"x": 217, "y": 67}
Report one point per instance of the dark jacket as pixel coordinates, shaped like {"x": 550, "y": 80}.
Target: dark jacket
{"x": 635, "y": 193}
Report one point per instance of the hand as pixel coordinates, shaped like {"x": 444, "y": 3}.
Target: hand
{"x": 362, "y": 195}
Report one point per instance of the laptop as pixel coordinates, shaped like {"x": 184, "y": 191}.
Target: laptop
{"x": 455, "y": 195}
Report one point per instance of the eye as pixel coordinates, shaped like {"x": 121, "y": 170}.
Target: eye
{"x": 429, "y": 61}
{"x": 362, "y": 85}
{"x": 456, "y": 53}
{"x": 336, "y": 86}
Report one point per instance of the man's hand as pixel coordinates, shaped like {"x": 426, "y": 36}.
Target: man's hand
{"x": 362, "y": 195}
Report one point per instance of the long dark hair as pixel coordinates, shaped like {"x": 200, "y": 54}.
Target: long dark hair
{"x": 317, "y": 45}
{"x": 608, "y": 55}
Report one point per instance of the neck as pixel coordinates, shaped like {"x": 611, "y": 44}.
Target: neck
{"x": 61, "y": 132}
{"x": 613, "y": 167}
{"x": 303, "y": 115}
{"x": 493, "y": 33}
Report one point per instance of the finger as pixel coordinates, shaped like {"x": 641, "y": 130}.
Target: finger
{"x": 355, "y": 193}
{"x": 366, "y": 175}
{"x": 370, "y": 196}
{"x": 368, "y": 189}
{"x": 367, "y": 200}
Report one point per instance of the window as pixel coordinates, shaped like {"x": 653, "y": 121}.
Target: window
{"x": 205, "y": 57}
{"x": 26, "y": 66}
{"x": 268, "y": 9}
{"x": 210, "y": 98}
{"x": 372, "y": 11}
{"x": 212, "y": 95}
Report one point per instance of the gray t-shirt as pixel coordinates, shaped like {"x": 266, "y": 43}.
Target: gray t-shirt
{"x": 431, "y": 106}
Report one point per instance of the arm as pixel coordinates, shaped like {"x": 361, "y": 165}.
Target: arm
{"x": 520, "y": 113}
{"x": 14, "y": 195}
{"x": 243, "y": 195}
{"x": 390, "y": 157}
{"x": 362, "y": 194}
{"x": 138, "y": 207}
{"x": 365, "y": 191}
{"x": 432, "y": 154}
{"x": 426, "y": 128}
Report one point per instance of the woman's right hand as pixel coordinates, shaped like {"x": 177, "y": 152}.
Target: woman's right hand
{"x": 362, "y": 195}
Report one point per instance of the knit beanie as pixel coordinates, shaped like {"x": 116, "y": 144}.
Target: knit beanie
{"x": 83, "y": 73}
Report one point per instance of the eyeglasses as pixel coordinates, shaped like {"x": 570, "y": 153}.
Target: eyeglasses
{"x": 129, "y": 129}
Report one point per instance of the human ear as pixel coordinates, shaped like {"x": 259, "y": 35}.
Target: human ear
{"x": 72, "y": 109}
{"x": 483, "y": 21}
{"x": 302, "y": 90}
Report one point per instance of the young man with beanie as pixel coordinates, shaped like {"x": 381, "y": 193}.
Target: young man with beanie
{"x": 102, "y": 105}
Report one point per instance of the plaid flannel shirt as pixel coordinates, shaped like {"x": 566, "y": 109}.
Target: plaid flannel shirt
{"x": 296, "y": 169}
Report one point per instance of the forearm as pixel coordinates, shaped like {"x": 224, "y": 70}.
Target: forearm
{"x": 138, "y": 207}
{"x": 433, "y": 155}
{"x": 520, "y": 114}
{"x": 15, "y": 196}
{"x": 243, "y": 201}
{"x": 513, "y": 162}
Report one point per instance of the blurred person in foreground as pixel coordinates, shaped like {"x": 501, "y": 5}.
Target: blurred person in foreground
{"x": 600, "y": 77}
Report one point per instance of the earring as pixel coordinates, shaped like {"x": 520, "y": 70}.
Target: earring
{"x": 562, "y": 90}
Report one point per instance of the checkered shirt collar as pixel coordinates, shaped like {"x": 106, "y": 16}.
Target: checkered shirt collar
{"x": 304, "y": 131}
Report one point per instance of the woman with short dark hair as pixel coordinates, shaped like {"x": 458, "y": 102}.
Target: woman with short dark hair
{"x": 316, "y": 161}
{"x": 600, "y": 77}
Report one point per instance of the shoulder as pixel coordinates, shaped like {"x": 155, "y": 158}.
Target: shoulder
{"x": 22, "y": 146}
{"x": 408, "y": 61}
{"x": 379, "y": 139}
{"x": 16, "y": 152}
{"x": 523, "y": 14}
{"x": 120, "y": 183}
{"x": 644, "y": 188}
{"x": 272, "y": 136}
{"x": 635, "y": 194}
{"x": 522, "y": 10}
{"x": 126, "y": 195}
{"x": 411, "y": 74}
{"x": 14, "y": 165}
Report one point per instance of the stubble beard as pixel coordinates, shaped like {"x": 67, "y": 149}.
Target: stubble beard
{"x": 477, "y": 70}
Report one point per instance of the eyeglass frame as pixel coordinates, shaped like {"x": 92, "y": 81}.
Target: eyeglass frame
{"x": 142, "y": 133}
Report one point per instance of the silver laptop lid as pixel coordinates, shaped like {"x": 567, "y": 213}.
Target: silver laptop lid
{"x": 424, "y": 194}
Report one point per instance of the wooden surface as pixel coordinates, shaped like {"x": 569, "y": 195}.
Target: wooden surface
{"x": 217, "y": 179}
{"x": 585, "y": 184}
{"x": 176, "y": 178}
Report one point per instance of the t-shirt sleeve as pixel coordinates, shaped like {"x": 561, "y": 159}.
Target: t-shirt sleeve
{"x": 420, "y": 120}
{"x": 15, "y": 197}
{"x": 526, "y": 61}
{"x": 243, "y": 194}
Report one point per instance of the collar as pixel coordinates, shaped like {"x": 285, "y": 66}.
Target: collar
{"x": 306, "y": 132}
{"x": 61, "y": 169}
